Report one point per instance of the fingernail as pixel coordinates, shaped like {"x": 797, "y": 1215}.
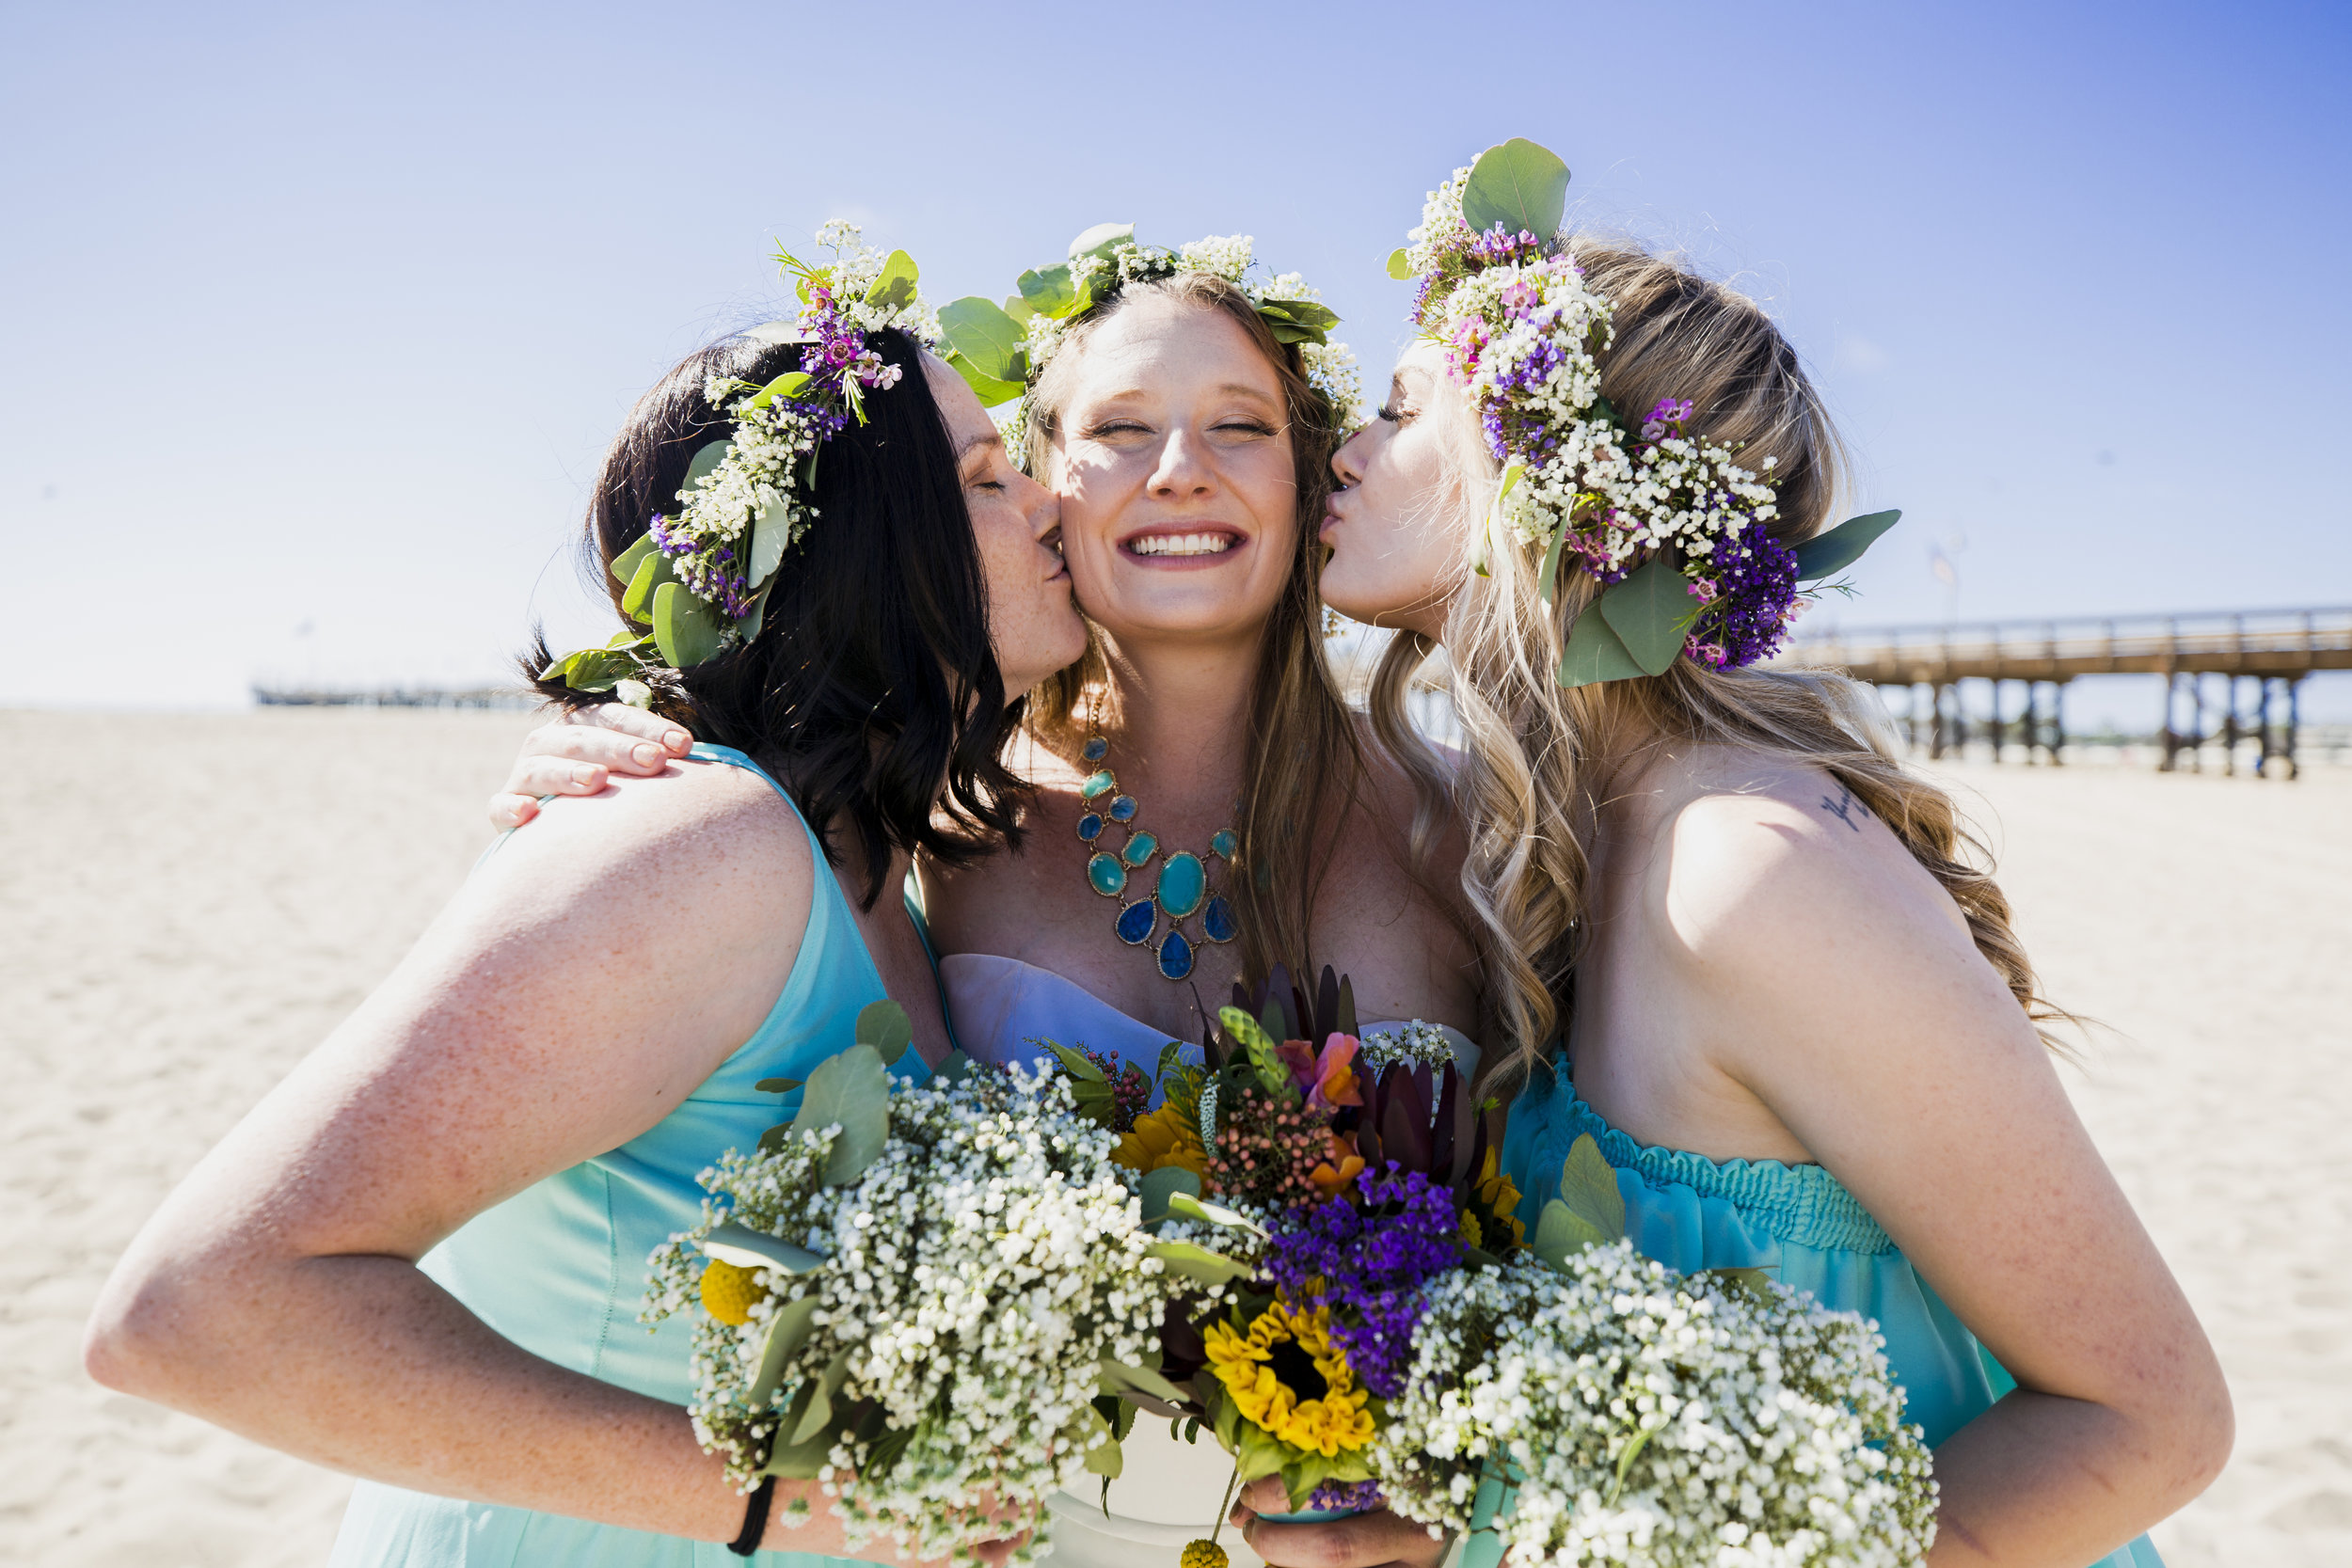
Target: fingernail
{"x": 646, "y": 756}
{"x": 678, "y": 741}
{"x": 584, "y": 774}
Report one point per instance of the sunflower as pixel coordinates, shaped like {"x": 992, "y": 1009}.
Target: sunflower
{"x": 1287, "y": 1378}
{"x": 1160, "y": 1138}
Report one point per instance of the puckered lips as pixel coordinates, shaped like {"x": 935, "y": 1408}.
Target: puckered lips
{"x": 1188, "y": 544}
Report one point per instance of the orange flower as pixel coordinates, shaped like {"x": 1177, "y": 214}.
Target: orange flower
{"x": 1341, "y": 1167}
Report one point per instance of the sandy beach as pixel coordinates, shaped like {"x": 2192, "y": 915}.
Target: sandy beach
{"x": 188, "y": 904}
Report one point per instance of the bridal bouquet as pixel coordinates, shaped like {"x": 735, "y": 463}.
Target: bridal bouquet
{"x": 917, "y": 1294}
{"x": 1386, "y": 1333}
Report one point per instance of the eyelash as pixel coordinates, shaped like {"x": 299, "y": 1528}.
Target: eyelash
{"x": 1254, "y": 427}
{"x": 1394, "y": 414}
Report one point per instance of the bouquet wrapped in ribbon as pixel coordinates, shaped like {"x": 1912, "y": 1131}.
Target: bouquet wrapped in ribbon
{"x": 1363, "y": 1317}
{"x": 916, "y": 1294}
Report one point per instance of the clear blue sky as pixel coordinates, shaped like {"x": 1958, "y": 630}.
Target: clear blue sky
{"x": 321, "y": 315}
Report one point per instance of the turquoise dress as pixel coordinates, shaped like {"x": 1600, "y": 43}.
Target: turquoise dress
{"x": 559, "y": 1268}
{"x": 1691, "y": 1212}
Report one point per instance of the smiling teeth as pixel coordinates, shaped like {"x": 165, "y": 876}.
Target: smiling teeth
{"x": 1185, "y": 543}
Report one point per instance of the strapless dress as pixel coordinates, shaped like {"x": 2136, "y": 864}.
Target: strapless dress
{"x": 1169, "y": 1489}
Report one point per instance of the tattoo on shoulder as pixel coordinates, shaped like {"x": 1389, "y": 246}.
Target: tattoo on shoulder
{"x": 1844, "y": 807}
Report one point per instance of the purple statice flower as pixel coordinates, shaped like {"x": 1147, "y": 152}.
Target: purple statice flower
{"x": 1669, "y": 415}
{"x": 1498, "y": 247}
{"x": 1355, "y": 1496}
{"x": 1365, "y": 1261}
{"x": 1755, "y": 579}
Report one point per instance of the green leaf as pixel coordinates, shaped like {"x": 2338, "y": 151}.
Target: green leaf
{"x": 883, "y": 1025}
{"x": 1191, "y": 1206}
{"x": 981, "y": 331}
{"x": 1101, "y": 240}
{"x": 1561, "y": 1231}
{"x": 747, "y": 624}
{"x": 775, "y": 334}
{"x": 884, "y": 1455}
{"x": 1755, "y": 1284}
{"x": 1162, "y": 1187}
{"x": 1197, "y": 1262}
{"x": 1519, "y": 186}
{"x": 707, "y": 457}
{"x": 624, "y": 565}
{"x": 1400, "y": 265}
{"x": 1548, "y": 582}
{"x": 896, "y": 286}
{"x": 1264, "y": 1059}
{"x": 746, "y": 1248}
{"x": 1625, "y": 1463}
{"x": 1260, "y": 1454}
{"x": 791, "y": 384}
{"x": 1827, "y": 554}
{"x": 1018, "y": 308}
{"x": 956, "y": 1069}
{"x": 1588, "y": 1185}
{"x": 1651, "y": 612}
{"x": 989, "y": 390}
{"x": 1306, "y": 312}
{"x": 1143, "y": 1380}
{"x": 820, "y": 1413}
{"x": 1594, "y": 653}
{"x": 777, "y": 1086}
{"x": 788, "y": 1331}
{"x": 1048, "y": 291}
{"x": 1106, "y": 1459}
{"x": 1301, "y": 1476}
{"x": 852, "y": 1089}
{"x": 635, "y": 694}
{"x": 652, "y": 570}
{"x": 686, "y": 628}
{"x": 1080, "y": 1069}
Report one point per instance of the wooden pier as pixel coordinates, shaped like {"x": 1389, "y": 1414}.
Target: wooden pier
{"x": 2273, "y": 649}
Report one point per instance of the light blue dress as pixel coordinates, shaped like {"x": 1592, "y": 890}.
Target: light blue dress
{"x": 559, "y": 1268}
{"x": 1690, "y": 1212}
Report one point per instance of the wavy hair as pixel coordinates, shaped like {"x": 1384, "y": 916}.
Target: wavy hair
{"x": 1306, "y": 767}
{"x": 872, "y": 678}
{"x": 1539, "y": 761}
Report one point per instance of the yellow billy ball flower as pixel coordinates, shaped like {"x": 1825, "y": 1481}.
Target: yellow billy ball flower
{"x": 1202, "y": 1554}
{"x": 729, "y": 1292}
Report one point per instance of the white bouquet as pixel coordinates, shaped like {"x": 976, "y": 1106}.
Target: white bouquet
{"x": 915, "y": 1295}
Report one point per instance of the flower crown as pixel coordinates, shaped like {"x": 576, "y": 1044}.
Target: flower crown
{"x": 1002, "y": 350}
{"x": 700, "y": 577}
{"x": 1671, "y": 524}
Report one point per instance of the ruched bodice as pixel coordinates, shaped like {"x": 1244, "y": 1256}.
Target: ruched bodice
{"x": 559, "y": 1268}
{"x": 1691, "y": 1212}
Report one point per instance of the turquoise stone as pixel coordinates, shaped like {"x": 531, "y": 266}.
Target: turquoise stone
{"x": 1122, "y": 808}
{"x": 1175, "y": 955}
{"x": 1217, "y": 923}
{"x": 1090, "y": 827}
{"x": 1137, "y": 922}
{"x": 1108, "y": 877}
{"x": 1097, "y": 783}
{"x": 1139, "y": 848}
{"x": 1096, "y": 750}
{"x": 1183, "y": 881}
{"x": 1224, "y": 843}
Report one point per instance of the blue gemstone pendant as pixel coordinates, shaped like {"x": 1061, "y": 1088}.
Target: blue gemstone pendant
{"x": 1096, "y": 750}
{"x": 1182, "y": 883}
{"x": 1122, "y": 808}
{"x": 1108, "y": 877}
{"x": 1222, "y": 844}
{"x": 1090, "y": 826}
{"x": 1137, "y": 922}
{"x": 1217, "y": 923}
{"x": 1175, "y": 955}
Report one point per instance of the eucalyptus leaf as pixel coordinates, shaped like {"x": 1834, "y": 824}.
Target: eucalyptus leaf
{"x": 1561, "y": 1231}
{"x": 1101, "y": 240}
{"x": 1548, "y": 582}
{"x": 1018, "y": 308}
{"x": 790, "y": 385}
{"x": 1594, "y": 653}
{"x": 896, "y": 286}
{"x": 652, "y": 570}
{"x": 747, "y": 624}
{"x": 788, "y": 1331}
{"x": 775, "y": 334}
{"x": 707, "y": 457}
{"x": 777, "y": 1086}
{"x": 1047, "y": 290}
{"x": 740, "y": 1245}
{"x": 686, "y": 628}
{"x": 1143, "y": 1380}
{"x": 1195, "y": 1261}
{"x": 1400, "y": 265}
{"x": 852, "y": 1090}
{"x": 1588, "y": 1184}
{"x": 624, "y": 565}
{"x": 636, "y": 693}
{"x": 883, "y": 1025}
{"x": 1162, "y": 1187}
{"x": 981, "y": 331}
{"x": 989, "y": 390}
{"x": 1825, "y": 555}
{"x": 1519, "y": 186}
{"x": 1306, "y": 312}
{"x": 956, "y": 1069}
{"x": 820, "y": 1413}
{"x": 1192, "y": 1207}
{"x": 1651, "y": 612}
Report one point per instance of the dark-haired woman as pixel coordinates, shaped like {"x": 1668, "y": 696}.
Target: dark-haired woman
{"x": 420, "y": 1259}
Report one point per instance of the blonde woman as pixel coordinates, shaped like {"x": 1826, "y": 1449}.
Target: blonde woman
{"x": 1732, "y": 937}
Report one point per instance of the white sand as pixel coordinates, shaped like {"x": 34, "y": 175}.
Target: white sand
{"x": 188, "y": 904}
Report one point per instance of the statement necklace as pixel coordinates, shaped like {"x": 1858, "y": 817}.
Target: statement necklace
{"x": 1179, "y": 891}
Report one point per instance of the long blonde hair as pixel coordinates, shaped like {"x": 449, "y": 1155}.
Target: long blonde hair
{"x": 1538, "y": 760}
{"x": 1305, "y": 768}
